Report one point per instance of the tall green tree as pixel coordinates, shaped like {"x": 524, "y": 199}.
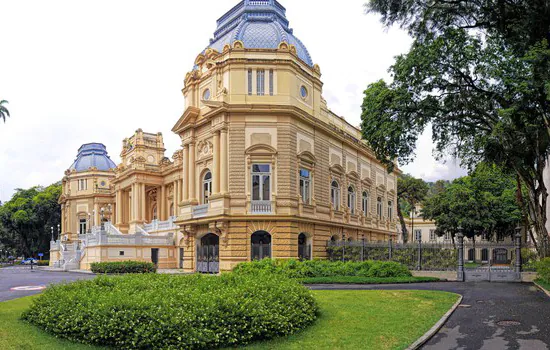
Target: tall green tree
{"x": 483, "y": 203}
{"x": 27, "y": 217}
{"x": 478, "y": 74}
{"x": 3, "y": 110}
{"x": 410, "y": 192}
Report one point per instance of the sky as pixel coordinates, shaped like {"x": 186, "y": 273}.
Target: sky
{"x": 79, "y": 71}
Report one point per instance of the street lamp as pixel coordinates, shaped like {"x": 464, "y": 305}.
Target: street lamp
{"x": 53, "y": 239}
{"x": 88, "y": 223}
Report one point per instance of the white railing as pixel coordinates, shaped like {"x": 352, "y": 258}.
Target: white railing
{"x": 142, "y": 231}
{"x": 55, "y": 245}
{"x": 157, "y": 225}
{"x": 261, "y": 207}
{"x": 200, "y": 211}
{"x": 129, "y": 240}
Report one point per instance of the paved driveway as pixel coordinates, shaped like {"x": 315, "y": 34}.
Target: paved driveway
{"x": 22, "y": 276}
{"x": 476, "y": 324}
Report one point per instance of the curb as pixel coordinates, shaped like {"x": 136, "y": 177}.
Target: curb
{"x": 429, "y": 334}
{"x": 542, "y": 288}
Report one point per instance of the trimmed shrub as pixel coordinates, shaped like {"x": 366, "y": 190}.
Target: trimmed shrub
{"x": 174, "y": 312}
{"x": 543, "y": 269}
{"x": 324, "y": 268}
{"x": 123, "y": 267}
{"x": 43, "y": 262}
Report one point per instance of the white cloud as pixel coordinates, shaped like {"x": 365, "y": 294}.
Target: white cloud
{"x": 95, "y": 71}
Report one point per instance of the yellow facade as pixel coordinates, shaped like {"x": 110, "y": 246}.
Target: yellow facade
{"x": 265, "y": 168}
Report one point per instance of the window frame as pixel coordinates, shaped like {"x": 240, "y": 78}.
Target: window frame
{"x": 390, "y": 210}
{"x": 206, "y": 185}
{"x": 305, "y": 185}
{"x": 335, "y": 193}
{"x": 260, "y": 82}
{"x": 379, "y": 208}
{"x": 83, "y": 223}
{"x": 250, "y": 80}
{"x": 271, "y": 82}
{"x": 262, "y": 175}
{"x": 365, "y": 202}
{"x": 352, "y": 199}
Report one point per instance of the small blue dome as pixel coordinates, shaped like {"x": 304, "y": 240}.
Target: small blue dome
{"x": 259, "y": 24}
{"x": 92, "y": 155}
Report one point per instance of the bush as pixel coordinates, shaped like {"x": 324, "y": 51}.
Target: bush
{"x": 174, "y": 312}
{"x": 324, "y": 268}
{"x": 123, "y": 267}
{"x": 43, "y": 262}
{"x": 543, "y": 269}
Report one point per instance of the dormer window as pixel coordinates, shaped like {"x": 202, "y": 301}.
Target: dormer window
{"x": 250, "y": 81}
{"x": 260, "y": 82}
{"x": 82, "y": 185}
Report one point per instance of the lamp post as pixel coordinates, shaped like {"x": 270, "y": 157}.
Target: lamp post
{"x": 58, "y": 230}
{"x": 88, "y": 223}
{"x": 53, "y": 239}
{"x": 460, "y": 273}
{"x": 517, "y": 241}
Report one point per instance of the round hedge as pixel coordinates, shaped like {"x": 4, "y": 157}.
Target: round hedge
{"x": 174, "y": 312}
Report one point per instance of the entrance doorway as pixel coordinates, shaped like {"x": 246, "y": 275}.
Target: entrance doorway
{"x": 181, "y": 258}
{"x": 155, "y": 256}
{"x": 304, "y": 249}
{"x": 208, "y": 260}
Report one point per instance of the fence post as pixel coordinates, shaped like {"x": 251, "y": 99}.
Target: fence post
{"x": 460, "y": 273}
{"x": 419, "y": 264}
{"x": 363, "y": 249}
{"x": 518, "y": 249}
{"x": 344, "y": 250}
{"x": 390, "y": 255}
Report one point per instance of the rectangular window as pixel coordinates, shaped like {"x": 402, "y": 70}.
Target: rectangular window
{"x": 305, "y": 185}
{"x": 418, "y": 235}
{"x": 432, "y": 235}
{"x": 82, "y": 185}
{"x": 261, "y": 182}
{"x": 271, "y": 82}
{"x": 260, "y": 82}
{"x": 82, "y": 226}
{"x": 365, "y": 203}
{"x": 250, "y": 81}
{"x": 121, "y": 253}
{"x": 379, "y": 208}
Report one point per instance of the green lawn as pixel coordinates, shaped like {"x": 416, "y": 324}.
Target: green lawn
{"x": 348, "y": 320}
{"x": 543, "y": 284}
{"x": 365, "y": 280}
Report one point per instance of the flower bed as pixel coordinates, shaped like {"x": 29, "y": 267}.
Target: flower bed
{"x": 174, "y": 312}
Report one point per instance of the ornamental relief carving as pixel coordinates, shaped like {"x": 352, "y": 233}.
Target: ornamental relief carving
{"x": 204, "y": 149}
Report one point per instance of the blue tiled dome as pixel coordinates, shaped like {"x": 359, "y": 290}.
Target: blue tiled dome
{"x": 259, "y": 24}
{"x": 92, "y": 155}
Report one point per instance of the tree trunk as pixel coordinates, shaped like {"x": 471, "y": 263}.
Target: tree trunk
{"x": 404, "y": 231}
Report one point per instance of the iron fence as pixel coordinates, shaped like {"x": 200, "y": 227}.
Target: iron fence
{"x": 416, "y": 256}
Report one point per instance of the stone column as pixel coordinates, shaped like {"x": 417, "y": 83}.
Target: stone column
{"x": 97, "y": 216}
{"x": 223, "y": 163}
{"x": 191, "y": 173}
{"x": 118, "y": 207}
{"x": 216, "y": 165}
{"x": 142, "y": 202}
{"x": 161, "y": 203}
{"x": 176, "y": 194}
{"x": 133, "y": 209}
{"x": 185, "y": 175}
{"x": 460, "y": 273}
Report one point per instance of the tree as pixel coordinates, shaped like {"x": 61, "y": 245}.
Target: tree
{"x": 478, "y": 74}
{"x": 26, "y": 219}
{"x": 483, "y": 203}
{"x": 410, "y": 192}
{"x": 3, "y": 110}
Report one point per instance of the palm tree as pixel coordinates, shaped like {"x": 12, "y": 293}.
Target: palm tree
{"x": 3, "y": 110}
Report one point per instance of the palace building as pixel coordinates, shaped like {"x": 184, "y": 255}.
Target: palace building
{"x": 265, "y": 168}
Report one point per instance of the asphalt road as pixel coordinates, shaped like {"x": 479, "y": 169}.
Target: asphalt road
{"x": 475, "y": 324}
{"x": 22, "y": 276}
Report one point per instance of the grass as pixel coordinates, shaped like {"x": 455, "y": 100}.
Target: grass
{"x": 471, "y": 265}
{"x": 348, "y": 320}
{"x": 365, "y": 280}
{"x": 543, "y": 284}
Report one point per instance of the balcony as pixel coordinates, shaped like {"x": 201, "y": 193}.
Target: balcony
{"x": 261, "y": 207}
{"x": 200, "y": 211}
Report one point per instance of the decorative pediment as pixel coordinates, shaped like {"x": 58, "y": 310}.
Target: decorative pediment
{"x": 337, "y": 168}
{"x": 367, "y": 181}
{"x": 381, "y": 188}
{"x": 261, "y": 149}
{"x": 187, "y": 119}
{"x": 353, "y": 175}
{"x": 307, "y": 157}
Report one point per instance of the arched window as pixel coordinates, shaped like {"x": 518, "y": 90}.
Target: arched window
{"x": 172, "y": 209}
{"x": 390, "y": 210}
{"x": 206, "y": 187}
{"x": 365, "y": 203}
{"x": 379, "y": 207}
{"x": 261, "y": 245}
{"x": 304, "y": 247}
{"x": 335, "y": 195}
{"x": 305, "y": 185}
{"x": 351, "y": 199}
{"x": 154, "y": 213}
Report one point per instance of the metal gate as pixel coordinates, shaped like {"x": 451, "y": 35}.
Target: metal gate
{"x": 489, "y": 261}
{"x": 208, "y": 258}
